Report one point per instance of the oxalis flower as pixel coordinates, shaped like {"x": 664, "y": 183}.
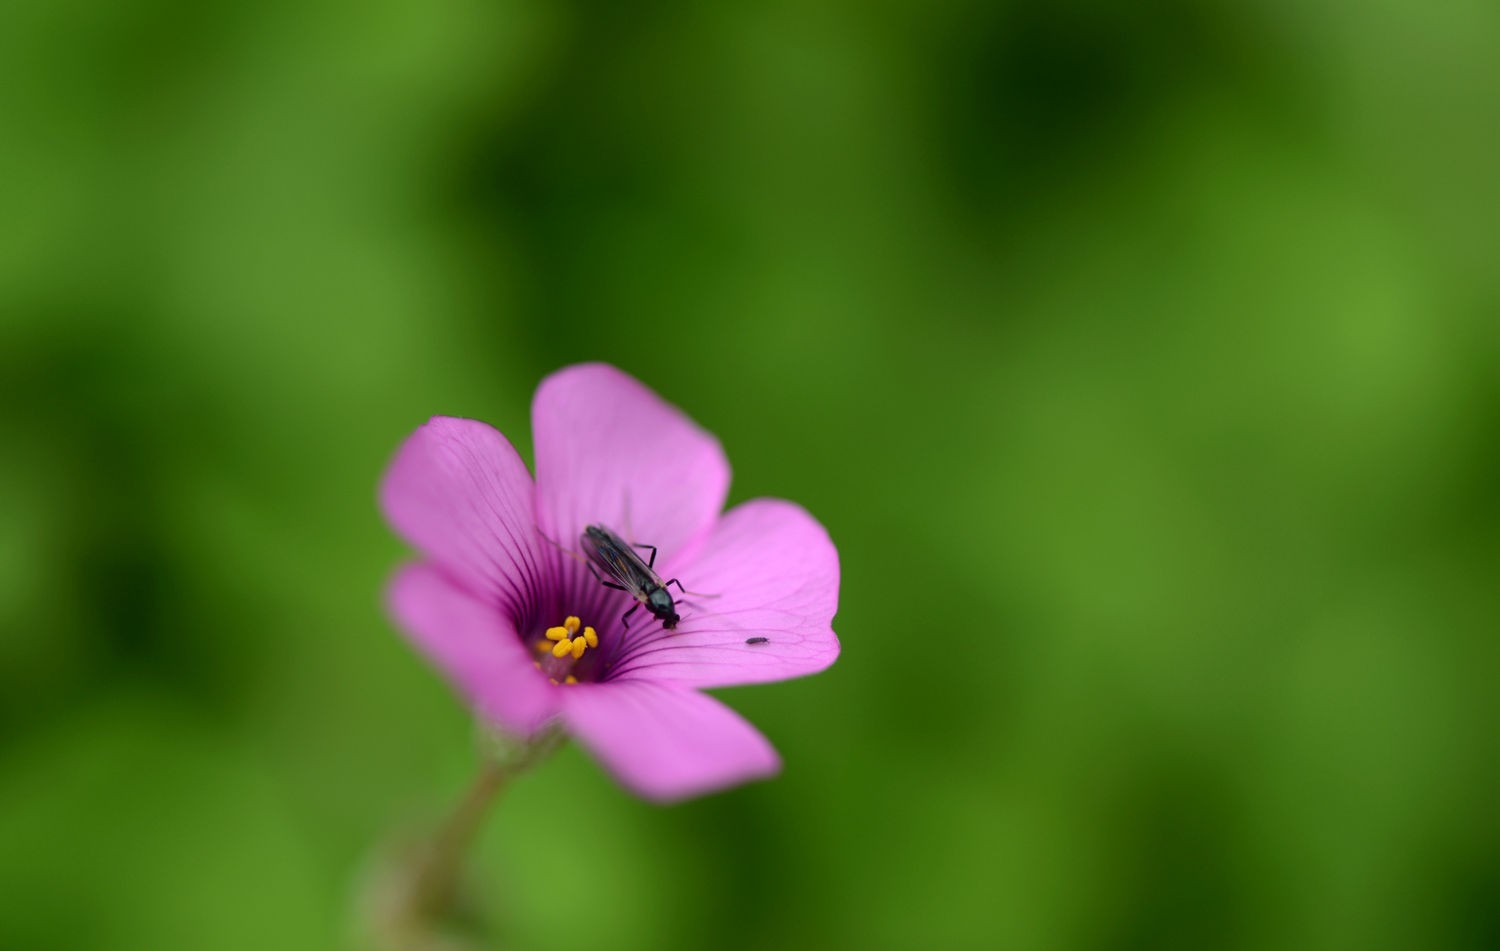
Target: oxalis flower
{"x": 506, "y": 607}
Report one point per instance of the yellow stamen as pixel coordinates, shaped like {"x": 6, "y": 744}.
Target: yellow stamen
{"x": 570, "y": 638}
{"x": 571, "y": 680}
{"x": 553, "y": 680}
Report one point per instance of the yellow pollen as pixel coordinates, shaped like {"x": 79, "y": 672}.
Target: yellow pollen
{"x": 571, "y": 680}
{"x": 568, "y": 639}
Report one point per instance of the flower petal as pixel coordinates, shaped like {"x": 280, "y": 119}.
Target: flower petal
{"x": 474, "y": 645}
{"x": 461, "y": 496}
{"x": 666, "y": 743}
{"x": 771, "y": 572}
{"x": 610, "y": 451}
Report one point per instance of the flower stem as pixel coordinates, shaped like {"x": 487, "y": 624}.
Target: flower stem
{"x": 415, "y": 903}
{"x": 435, "y": 878}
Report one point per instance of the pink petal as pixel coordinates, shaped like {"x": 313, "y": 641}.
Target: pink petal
{"x": 461, "y": 496}
{"x": 774, "y": 574}
{"x": 610, "y": 451}
{"x": 475, "y": 646}
{"x": 666, "y": 743}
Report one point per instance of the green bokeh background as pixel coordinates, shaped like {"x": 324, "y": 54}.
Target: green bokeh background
{"x": 1143, "y": 360}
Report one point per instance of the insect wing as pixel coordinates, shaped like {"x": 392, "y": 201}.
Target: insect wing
{"x": 619, "y": 559}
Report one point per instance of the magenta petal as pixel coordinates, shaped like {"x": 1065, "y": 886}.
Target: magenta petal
{"x": 775, "y": 575}
{"x": 475, "y": 646}
{"x": 461, "y": 496}
{"x": 610, "y": 451}
{"x": 666, "y": 743}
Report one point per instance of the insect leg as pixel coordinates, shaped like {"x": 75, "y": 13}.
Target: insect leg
{"x": 625, "y": 618}
{"x": 566, "y": 551}
{"x": 695, "y": 594}
{"x": 625, "y": 514}
{"x": 652, "y": 562}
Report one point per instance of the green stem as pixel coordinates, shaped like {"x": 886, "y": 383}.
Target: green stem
{"x": 434, "y": 882}
{"x": 424, "y": 893}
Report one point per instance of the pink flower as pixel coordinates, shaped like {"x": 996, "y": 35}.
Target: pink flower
{"x": 529, "y": 636}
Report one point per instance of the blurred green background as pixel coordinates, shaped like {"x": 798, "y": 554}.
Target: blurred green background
{"x": 1143, "y": 360}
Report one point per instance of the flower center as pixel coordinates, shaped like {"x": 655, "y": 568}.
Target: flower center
{"x": 563, "y": 647}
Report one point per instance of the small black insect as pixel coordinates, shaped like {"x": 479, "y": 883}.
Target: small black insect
{"x": 757, "y": 640}
{"x": 631, "y": 574}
